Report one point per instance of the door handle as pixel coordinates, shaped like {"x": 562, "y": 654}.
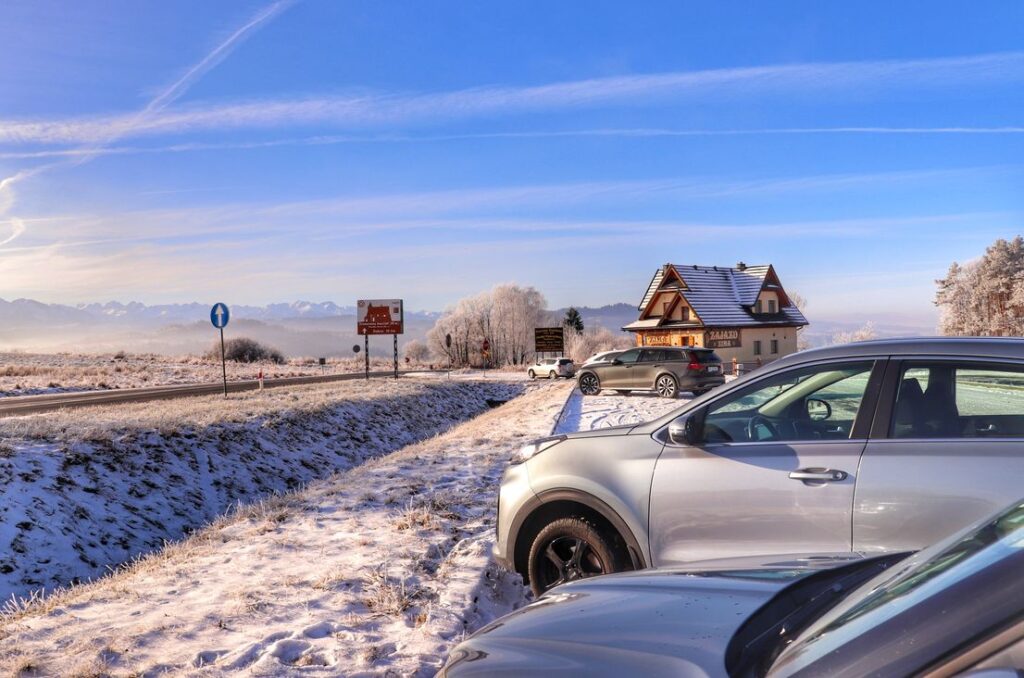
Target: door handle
{"x": 814, "y": 475}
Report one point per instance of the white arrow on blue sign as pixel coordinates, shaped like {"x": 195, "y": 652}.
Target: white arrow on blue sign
{"x": 219, "y": 315}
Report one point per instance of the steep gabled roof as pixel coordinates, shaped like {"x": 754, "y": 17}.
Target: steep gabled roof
{"x": 724, "y": 296}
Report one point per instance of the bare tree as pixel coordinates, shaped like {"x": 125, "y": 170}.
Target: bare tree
{"x": 865, "y": 333}
{"x": 417, "y": 352}
{"x": 985, "y": 297}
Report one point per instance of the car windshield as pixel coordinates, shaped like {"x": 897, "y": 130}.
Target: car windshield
{"x": 997, "y": 545}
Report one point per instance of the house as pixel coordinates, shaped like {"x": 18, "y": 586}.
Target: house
{"x": 742, "y": 312}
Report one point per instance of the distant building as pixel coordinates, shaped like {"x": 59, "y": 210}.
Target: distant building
{"x": 742, "y": 312}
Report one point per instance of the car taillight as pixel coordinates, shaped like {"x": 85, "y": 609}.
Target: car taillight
{"x": 694, "y": 365}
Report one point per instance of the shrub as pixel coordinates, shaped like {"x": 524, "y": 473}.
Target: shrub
{"x": 245, "y": 350}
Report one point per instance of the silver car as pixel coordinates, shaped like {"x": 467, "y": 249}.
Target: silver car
{"x": 552, "y": 368}
{"x": 956, "y": 608}
{"x": 868, "y": 447}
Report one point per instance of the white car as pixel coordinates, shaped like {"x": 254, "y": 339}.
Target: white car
{"x": 552, "y": 368}
{"x": 603, "y": 357}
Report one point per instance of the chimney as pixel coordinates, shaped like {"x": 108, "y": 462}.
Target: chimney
{"x": 740, "y": 266}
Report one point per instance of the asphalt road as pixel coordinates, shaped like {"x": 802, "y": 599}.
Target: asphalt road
{"x": 46, "y": 403}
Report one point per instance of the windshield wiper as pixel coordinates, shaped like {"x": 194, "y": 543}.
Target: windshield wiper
{"x": 779, "y": 621}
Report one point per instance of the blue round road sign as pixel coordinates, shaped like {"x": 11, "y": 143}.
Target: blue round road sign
{"x": 219, "y": 315}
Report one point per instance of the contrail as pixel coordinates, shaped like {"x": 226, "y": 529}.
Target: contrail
{"x": 169, "y": 94}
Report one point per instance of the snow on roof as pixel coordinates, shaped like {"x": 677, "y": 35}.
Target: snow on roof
{"x": 724, "y": 296}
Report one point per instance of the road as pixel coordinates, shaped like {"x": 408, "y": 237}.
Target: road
{"x": 46, "y": 403}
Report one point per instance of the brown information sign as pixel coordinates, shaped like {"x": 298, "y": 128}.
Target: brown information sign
{"x": 549, "y": 340}
{"x": 722, "y": 339}
{"x": 379, "y": 316}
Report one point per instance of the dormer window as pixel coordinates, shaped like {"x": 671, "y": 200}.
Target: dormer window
{"x": 686, "y": 313}
{"x": 771, "y": 306}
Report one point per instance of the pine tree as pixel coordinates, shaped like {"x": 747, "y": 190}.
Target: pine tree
{"x": 573, "y": 320}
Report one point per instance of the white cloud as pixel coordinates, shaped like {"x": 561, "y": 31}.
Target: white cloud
{"x": 368, "y": 109}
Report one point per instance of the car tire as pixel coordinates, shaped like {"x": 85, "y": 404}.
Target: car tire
{"x": 533, "y": 375}
{"x": 573, "y": 548}
{"x": 666, "y": 386}
{"x": 589, "y": 384}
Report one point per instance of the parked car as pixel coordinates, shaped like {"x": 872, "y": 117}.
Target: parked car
{"x": 868, "y": 447}
{"x": 665, "y": 371}
{"x": 603, "y": 357}
{"x": 552, "y": 368}
{"x": 956, "y": 608}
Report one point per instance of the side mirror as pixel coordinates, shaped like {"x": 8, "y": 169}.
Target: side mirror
{"x": 818, "y": 410}
{"x": 683, "y": 430}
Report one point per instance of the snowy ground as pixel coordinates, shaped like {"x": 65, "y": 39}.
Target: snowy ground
{"x": 84, "y": 489}
{"x": 376, "y": 571}
{"x": 36, "y": 373}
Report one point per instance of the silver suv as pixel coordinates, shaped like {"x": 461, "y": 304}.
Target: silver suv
{"x": 665, "y": 371}
{"x": 552, "y": 368}
{"x": 868, "y": 447}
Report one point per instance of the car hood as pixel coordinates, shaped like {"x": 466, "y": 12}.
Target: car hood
{"x": 602, "y": 432}
{"x": 653, "y": 622}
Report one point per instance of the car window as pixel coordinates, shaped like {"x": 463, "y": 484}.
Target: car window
{"x": 705, "y": 356}
{"x": 652, "y": 355}
{"x": 811, "y": 403}
{"x": 630, "y": 356}
{"x": 947, "y": 400}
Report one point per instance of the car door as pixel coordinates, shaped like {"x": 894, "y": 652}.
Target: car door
{"x": 618, "y": 373}
{"x": 946, "y": 448}
{"x": 775, "y": 470}
{"x": 646, "y": 368}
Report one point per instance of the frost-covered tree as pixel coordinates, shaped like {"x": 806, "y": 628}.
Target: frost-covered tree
{"x": 985, "y": 297}
{"x": 593, "y": 340}
{"x": 865, "y": 333}
{"x": 504, "y": 317}
{"x": 417, "y": 352}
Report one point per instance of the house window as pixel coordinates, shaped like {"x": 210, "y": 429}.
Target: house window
{"x": 686, "y": 313}
{"x": 775, "y": 346}
{"x": 771, "y": 306}
{"x": 757, "y": 306}
{"x": 664, "y": 307}
{"x": 757, "y": 346}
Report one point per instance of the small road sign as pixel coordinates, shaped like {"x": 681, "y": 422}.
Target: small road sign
{"x": 220, "y": 315}
{"x": 355, "y": 348}
{"x": 448, "y": 340}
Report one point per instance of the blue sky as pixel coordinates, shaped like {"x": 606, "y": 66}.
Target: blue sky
{"x": 258, "y": 152}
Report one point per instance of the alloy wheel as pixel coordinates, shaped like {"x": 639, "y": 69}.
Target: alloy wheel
{"x": 569, "y": 559}
{"x": 589, "y": 384}
{"x": 666, "y": 386}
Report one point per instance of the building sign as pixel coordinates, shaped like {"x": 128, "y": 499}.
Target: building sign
{"x": 379, "y": 316}
{"x": 722, "y": 339}
{"x": 663, "y": 339}
{"x": 549, "y": 340}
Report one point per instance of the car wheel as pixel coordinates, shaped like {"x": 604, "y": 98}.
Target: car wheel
{"x": 573, "y": 548}
{"x": 552, "y": 375}
{"x": 589, "y": 384}
{"x": 666, "y": 386}
{"x": 532, "y": 374}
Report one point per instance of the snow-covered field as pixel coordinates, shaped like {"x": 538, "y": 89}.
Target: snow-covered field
{"x": 377, "y": 570}
{"x": 36, "y": 373}
{"x": 84, "y": 489}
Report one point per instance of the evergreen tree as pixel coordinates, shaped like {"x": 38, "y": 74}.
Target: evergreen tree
{"x": 573, "y": 320}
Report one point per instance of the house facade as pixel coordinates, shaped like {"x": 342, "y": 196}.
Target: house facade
{"x": 741, "y": 312}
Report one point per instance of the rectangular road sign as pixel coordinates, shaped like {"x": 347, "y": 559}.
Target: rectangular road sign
{"x": 379, "y": 316}
{"x": 549, "y": 340}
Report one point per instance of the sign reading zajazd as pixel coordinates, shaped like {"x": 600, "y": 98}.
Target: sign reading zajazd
{"x": 722, "y": 339}
{"x": 379, "y": 316}
{"x": 549, "y": 340}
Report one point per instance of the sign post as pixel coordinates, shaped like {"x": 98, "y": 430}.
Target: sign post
{"x": 219, "y": 317}
{"x": 380, "y": 316}
{"x": 366, "y": 355}
{"x": 448, "y": 350}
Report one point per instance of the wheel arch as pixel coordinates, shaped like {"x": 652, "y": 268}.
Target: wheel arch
{"x": 560, "y": 503}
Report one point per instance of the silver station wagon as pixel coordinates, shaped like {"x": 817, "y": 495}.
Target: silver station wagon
{"x": 869, "y": 447}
